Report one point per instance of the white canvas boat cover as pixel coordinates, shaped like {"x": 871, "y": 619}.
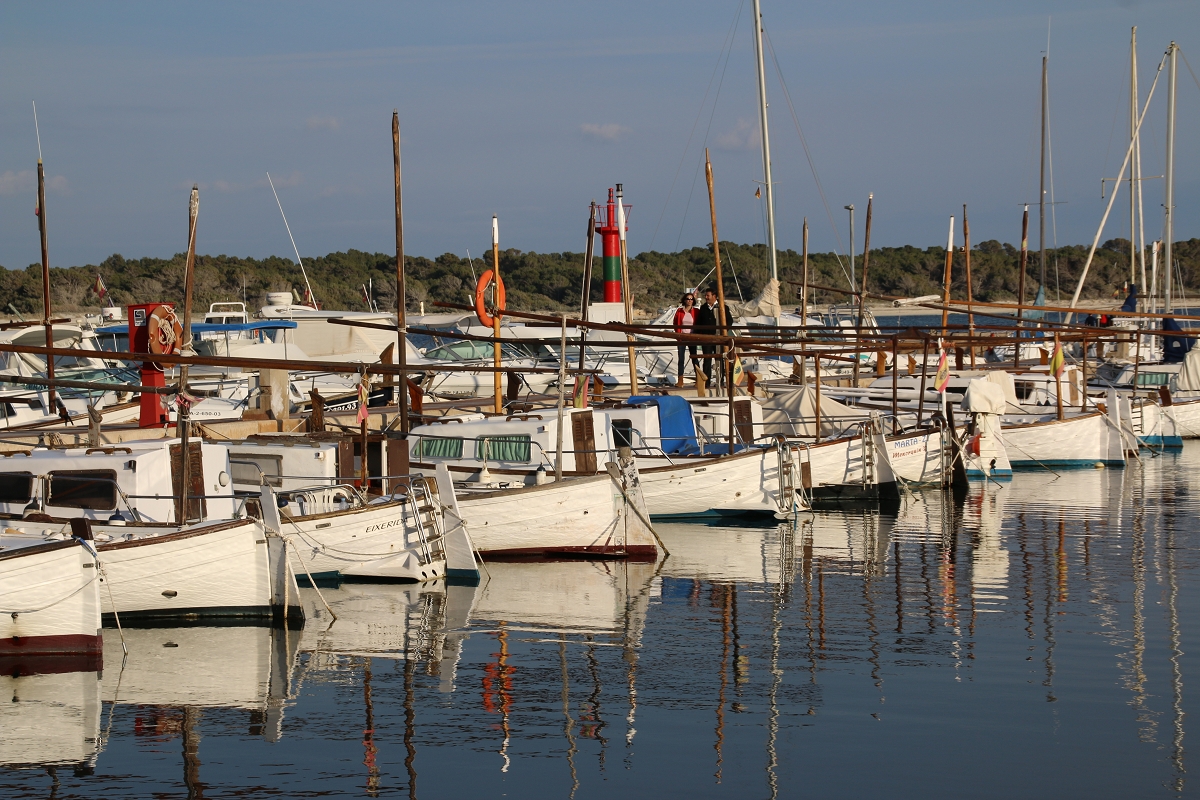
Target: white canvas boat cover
{"x": 765, "y": 305}
{"x": 794, "y": 413}
{"x": 1188, "y": 379}
{"x": 984, "y": 397}
{"x": 1005, "y": 381}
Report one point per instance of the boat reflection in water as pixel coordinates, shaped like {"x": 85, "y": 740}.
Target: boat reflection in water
{"x": 49, "y": 720}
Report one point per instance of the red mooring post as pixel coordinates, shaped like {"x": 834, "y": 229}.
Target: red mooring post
{"x": 610, "y": 236}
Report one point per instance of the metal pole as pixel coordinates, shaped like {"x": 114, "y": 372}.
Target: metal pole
{"x": 766, "y": 140}
{"x": 804, "y": 299}
{"x": 895, "y": 384}
{"x": 817, "y": 371}
{"x": 496, "y": 355}
{"x": 626, "y": 289}
{"x": 1042, "y": 175}
{"x": 401, "y": 322}
{"x": 588, "y": 255}
{"x": 1021, "y": 285}
{"x": 1169, "y": 182}
{"x": 562, "y": 388}
{"x": 967, "y": 268}
{"x": 862, "y": 295}
{"x": 946, "y": 277}
{"x": 921, "y": 396}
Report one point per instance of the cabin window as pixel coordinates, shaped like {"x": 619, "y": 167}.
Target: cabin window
{"x": 1023, "y": 389}
{"x": 1154, "y": 378}
{"x": 622, "y": 431}
{"x": 16, "y": 487}
{"x": 8, "y": 409}
{"x": 440, "y": 447}
{"x": 251, "y": 468}
{"x": 503, "y": 448}
{"x": 82, "y": 488}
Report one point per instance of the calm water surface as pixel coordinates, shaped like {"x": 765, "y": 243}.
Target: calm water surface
{"x": 1031, "y": 640}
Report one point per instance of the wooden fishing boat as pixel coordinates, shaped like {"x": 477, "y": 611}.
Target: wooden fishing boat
{"x": 50, "y": 599}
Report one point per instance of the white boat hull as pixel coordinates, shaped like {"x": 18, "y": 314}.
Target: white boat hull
{"x": 1082, "y": 441}
{"x": 49, "y": 601}
{"x": 744, "y": 483}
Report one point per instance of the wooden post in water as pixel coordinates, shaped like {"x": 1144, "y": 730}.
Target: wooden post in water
{"x": 970, "y": 294}
{"x": 41, "y": 215}
{"x": 924, "y": 373}
{"x": 946, "y": 279}
{"x": 862, "y": 295}
{"x": 626, "y": 288}
{"x": 496, "y": 354}
{"x": 1021, "y": 287}
{"x": 724, "y": 323}
{"x": 183, "y": 420}
{"x": 401, "y": 322}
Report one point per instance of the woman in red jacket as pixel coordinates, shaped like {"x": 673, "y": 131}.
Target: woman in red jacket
{"x": 685, "y": 319}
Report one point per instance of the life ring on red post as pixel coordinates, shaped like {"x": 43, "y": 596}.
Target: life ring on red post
{"x": 163, "y": 331}
{"x": 480, "y": 288}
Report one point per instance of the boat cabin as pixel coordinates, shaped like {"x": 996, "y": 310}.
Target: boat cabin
{"x": 132, "y": 482}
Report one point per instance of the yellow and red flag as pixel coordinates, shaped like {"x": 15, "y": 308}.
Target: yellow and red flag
{"x": 1057, "y": 362}
{"x": 942, "y": 378}
{"x": 362, "y": 399}
{"x": 579, "y": 395}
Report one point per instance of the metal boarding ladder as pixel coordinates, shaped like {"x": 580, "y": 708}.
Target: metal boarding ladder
{"x": 793, "y": 465}
{"x": 866, "y": 429}
{"x": 427, "y": 512}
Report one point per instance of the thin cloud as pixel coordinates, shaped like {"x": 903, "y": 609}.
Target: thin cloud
{"x": 26, "y": 181}
{"x": 609, "y": 131}
{"x": 324, "y": 123}
{"x": 232, "y": 187}
{"x": 743, "y": 137}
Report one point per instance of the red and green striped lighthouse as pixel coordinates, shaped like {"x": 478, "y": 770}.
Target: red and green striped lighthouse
{"x": 610, "y": 233}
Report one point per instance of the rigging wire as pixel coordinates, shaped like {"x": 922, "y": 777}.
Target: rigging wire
{"x": 808, "y": 154}
{"x": 699, "y": 111}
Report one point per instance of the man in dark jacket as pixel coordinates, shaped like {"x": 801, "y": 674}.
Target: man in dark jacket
{"x": 708, "y": 322}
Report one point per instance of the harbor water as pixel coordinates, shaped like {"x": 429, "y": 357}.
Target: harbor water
{"x": 1030, "y": 639}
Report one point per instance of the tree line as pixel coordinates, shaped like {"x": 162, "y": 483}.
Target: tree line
{"x": 553, "y": 281}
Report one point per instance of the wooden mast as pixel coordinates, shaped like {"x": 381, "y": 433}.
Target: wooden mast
{"x": 41, "y": 215}
{"x": 626, "y": 289}
{"x": 496, "y": 353}
{"x": 967, "y": 268}
{"x": 862, "y": 295}
{"x": 1021, "y": 284}
{"x": 712, "y": 212}
{"x": 183, "y": 420}
{"x": 946, "y": 277}
{"x": 401, "y": 326}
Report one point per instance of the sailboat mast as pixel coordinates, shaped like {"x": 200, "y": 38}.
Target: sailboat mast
{"x": 1042, "y": 178}
{"x": 1133, "y": 176}
{"x": 766, "y": 140}
{"x": 1169, "y": 199}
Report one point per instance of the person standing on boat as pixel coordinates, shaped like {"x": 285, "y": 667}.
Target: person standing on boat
{"x": 685, "y": 320}
{"x": 708, "y": 321}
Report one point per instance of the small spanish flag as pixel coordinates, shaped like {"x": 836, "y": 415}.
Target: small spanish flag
{"x": 99, "y": 288}
{"x": 758, "y": 193}
{"x": 362, "y": 399}
{"x": 942, "y": 378}
{"x": 579, "y": 395}
{"x": 1057, "y": 362}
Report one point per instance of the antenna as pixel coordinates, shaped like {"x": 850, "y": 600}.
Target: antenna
{"x": 37, "y": 131}
{"x": 295, "y": 249}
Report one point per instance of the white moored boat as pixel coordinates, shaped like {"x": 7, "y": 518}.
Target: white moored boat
{"x": 49, "y": 600}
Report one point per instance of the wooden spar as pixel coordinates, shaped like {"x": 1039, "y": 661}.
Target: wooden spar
{"x": 401, "y": 326}
{"x": 946, "y": 277}
{"x": 712, "y": 212}
{"x": 1021, "y": 276}
{"x": 967, "y": 269}
{"x": 1042, "y": 181}
{"x": 626, "y": 289}
{"x": 496, "y": 354}
{"x": 586, "y": 297}
{"x": 1058, "y": 381}
{"x": 41, "y": 215}
{"x": 804, "y": 296}
{"x": 895, "y": 384}
{"x": 364, "y": 466}
{"x": 862, "y": 295}
{"x": 924, "y": 373}
{"x": 562, "y": 388}
{"x": 1083, "y": 380}
{"x": 183, "y": 422}
{"x": 817, "y": 375}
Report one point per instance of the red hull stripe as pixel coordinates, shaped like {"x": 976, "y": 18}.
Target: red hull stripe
{"x": 50, "y": 645}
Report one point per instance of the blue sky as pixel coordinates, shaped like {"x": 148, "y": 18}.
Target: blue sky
{"x": 530, "y": 110}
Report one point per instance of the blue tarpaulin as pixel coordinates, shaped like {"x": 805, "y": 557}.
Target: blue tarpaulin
{"x": 675, "y": 424}
{"x": 1175, "y": 347}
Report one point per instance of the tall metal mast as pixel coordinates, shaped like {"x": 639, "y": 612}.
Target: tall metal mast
{"x": 766, "y": 139}
{"x": 1042, "y": 179}
{"x": 1169, "y": 199}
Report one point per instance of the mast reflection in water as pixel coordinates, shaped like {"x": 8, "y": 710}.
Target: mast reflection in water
{"x": 1029, "y": 639}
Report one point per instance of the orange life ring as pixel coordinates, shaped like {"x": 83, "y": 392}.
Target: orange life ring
{"x": 480, "y": 307}
{"x": 163, "y": 331}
